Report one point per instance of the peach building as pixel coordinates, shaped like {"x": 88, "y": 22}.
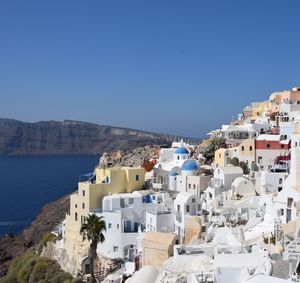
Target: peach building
{"x": 244, "y": 152}
{"x": 158, "y": 247}
{"x": 287, "y": 95}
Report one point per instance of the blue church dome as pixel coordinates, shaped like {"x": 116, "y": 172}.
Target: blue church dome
{"x": 173, "y": 174}
{"x": 181, "y": 150}
{"x": 190, "y": 165}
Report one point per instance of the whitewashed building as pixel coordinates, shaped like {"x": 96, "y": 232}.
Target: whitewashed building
{"x": 185, "y": 205}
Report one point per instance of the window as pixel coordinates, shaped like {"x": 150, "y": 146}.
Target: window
{"x": 109, "y": 225}
{"x": 130, "y": 200}
{"x": 282, "y": 146}
{"x": 193, "y": 200}
{"x": 75, "y": 205}
{"x": 279, "y": 189}
{"x": 243, "y": 148}
{"x": 115, "y": 249}
{"x": 220, "y": 155}
{"x": 268, "y": 145}
{"x": 118, "y": 226}
{"x": 76, "y": 216}
{"x": 83, "y": 205}
{"x": 137, "y": 177}
{"x": 187, "y": 208}
{"x": 250, "y": 148}
{"x": 178, "y": 207}
{"x": 280, "y": 181}
{"x": 289, "y": 202}
{"x": 190, "y": 186}
{"x": 259, "y": 159}
{"x": 83, "y": 192}
{"x": 199, "y": 207}
{"x": 194, "y": 187}
{"x": 178, "y": 157}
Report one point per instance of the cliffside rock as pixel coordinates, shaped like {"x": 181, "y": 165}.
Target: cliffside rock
{"x": 50, "y": 216}
{"x": 134, "y": 157}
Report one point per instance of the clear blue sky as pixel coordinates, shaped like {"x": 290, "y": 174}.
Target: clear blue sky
{"x": 180, "y": 67}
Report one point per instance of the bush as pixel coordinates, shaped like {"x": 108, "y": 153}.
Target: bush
{"x": 32, "y": 268}
{"x": 48, "y": 237}
{"x": 245, "y": 167}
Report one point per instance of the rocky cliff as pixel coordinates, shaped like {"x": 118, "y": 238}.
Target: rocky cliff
{"x": 12, "y": 246}
{"x": 72, "y": 137}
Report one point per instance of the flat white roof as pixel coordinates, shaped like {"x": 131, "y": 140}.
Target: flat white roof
{"x": 232, "y": 169}
{"x": 238, "y": 260}
{"x": 260, "y": 278}
{"x": 265, "y": 137}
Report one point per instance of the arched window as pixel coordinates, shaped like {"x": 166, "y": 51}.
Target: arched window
{"x": 243, "y": 148}
{"x": 250, "y": 148}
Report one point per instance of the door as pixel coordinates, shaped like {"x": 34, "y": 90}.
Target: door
{"x": 127, "y": 226}
{"x": 288, "y": 215}
{"x": 193, "y": 209}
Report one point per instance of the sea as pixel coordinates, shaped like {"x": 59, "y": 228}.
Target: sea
{"x": 29, "y": 182}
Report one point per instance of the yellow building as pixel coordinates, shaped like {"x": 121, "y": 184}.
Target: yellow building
{"x": 260, "y": 107}
{"x": 221, "y": 156}
{"x": 88, "y": 199}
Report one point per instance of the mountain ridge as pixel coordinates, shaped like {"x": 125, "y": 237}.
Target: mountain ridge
{"x": 74, "y": 137}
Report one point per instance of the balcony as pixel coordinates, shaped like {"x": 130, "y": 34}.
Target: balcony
{"x": 159, "y": 186}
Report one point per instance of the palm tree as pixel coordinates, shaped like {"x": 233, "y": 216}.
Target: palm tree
{"x": 92, "y": 230}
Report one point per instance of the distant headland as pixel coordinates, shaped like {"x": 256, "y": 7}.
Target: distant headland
{"x": 73, "y": 137}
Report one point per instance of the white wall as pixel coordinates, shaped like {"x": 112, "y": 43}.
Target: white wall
{"x": 159, "y": 222}
{"x": 281, "y": 202}
{"x": 271, "y": 181}
{"x": 268, "y": 156}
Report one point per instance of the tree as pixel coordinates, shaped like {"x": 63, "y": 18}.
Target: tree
{"x": 92, "y": 229}
{"x": 214, "y": 145}
{"x": 245, "y": 167}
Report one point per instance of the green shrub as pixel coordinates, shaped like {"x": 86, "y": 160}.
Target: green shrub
{"x": 32, "y": 268}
